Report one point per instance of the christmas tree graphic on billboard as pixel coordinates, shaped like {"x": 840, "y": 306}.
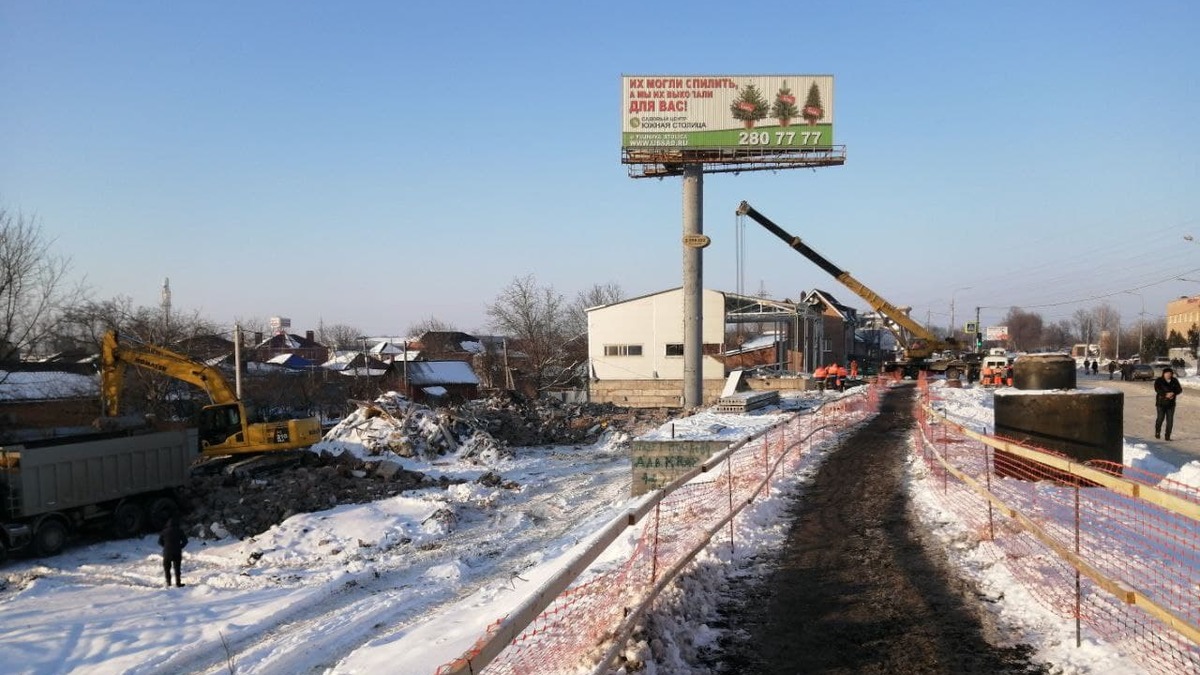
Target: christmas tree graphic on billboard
{"x": 785, "y": 109}
{"x": 812, "y": 105}
{"x": 750, "y": 106}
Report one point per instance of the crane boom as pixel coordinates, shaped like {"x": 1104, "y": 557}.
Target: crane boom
{"x": 916, "y": 341}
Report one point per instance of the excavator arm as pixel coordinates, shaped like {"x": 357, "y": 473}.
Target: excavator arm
{"x": 116, "y": 355}
{"x": 916, "y": 341}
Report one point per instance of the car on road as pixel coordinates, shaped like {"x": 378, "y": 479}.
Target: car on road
{"x": 1142, "y": 371}
{"x": 1159, "y": 365}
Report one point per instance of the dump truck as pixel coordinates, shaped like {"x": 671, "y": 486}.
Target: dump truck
{"x": 123, "y": 480}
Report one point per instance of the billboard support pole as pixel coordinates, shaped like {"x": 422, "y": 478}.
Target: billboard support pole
{"x": 693, "y": 283}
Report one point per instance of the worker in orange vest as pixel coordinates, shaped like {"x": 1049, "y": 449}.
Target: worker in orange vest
{"x": 985, "y": 378}
{"x": 841, "y": 378}
{"x": 819, "y": 375}
{"x": 854, "y": 370}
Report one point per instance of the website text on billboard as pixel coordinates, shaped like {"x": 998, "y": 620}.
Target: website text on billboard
{"x": 735, "y": 111}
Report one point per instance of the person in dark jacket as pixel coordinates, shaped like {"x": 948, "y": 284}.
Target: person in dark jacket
{"x": 1166, "y": 391}
{"x": 172, "y": 539}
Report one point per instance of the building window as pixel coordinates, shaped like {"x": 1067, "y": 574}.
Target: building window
{"x": 708, "y": 349}
{"x": 827, "y": 344}
{"x": 622, "y": 350}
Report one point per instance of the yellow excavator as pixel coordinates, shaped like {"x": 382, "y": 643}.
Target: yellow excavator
{"x": 918, "y": 343}
{"x": 224, "y": 428}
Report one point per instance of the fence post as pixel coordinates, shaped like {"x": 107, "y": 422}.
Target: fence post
{"x": 988, "y": 467}
{"x": 729, "y": 480}
{"x": 766, "y": 459}
{"x": 1079, "y": 638}
{"x": 654, "y": 548}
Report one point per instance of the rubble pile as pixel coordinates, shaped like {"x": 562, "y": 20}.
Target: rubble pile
{"x": 359, "y": 460}
{"x": 217, "y": 504}
{"x": 518, "y": 421}
{"x": 394, "y": 425}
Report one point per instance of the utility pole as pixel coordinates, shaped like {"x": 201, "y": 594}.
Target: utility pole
{"x": 978, "y": 332}
{"x": 237, "y": 359}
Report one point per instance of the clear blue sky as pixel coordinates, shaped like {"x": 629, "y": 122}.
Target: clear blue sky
{"x": 376, "y": 163}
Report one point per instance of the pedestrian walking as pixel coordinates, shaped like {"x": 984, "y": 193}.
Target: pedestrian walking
{"x": 173, "y": 540}
{"x": 1096, "y": 367}
{"x": 1166, "y": 390}
{"x": 1086, "y": 365}
{"x": 1112, "y": 368}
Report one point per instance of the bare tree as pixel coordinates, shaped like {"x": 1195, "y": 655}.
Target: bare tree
{"x": 84, "y": 324}
{"x": 340, "y": 336}
{"x": 597, "y": 295}
{"x": 1085, "y": 324}
{"x": 1058, "y": 335}
{"x": 536, "y": 318}
{"x": 430, "y": 324}
{"x": 34, "y": 287}
{"x": 251, "y": 326}
{"x": 1024, "y": 329}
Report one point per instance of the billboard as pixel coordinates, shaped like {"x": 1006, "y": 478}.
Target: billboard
{"x": 997, "y": 334}
{"x": 727, "y": 111}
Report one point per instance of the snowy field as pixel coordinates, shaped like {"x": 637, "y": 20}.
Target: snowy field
{"x": 405, "y": 584}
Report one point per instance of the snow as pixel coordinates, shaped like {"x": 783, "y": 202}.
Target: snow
{"x": 408, "y": 583}
{"x": 441, "y": 372}
{"x": 46, "y": 385}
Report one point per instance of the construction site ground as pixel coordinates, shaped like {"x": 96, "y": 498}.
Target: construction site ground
{"x": 857, "y": 588}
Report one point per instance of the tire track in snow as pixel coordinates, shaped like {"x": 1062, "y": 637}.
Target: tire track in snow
{"x": 390, "y": 597}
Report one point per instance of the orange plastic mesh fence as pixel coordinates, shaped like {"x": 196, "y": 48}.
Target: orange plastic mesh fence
{"x": 1140, "y": 546}
{"x": 576, "y": 630}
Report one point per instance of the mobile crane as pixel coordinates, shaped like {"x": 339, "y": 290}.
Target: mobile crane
{"x": 224, "y": 427}
{"x": 917, "y": 342}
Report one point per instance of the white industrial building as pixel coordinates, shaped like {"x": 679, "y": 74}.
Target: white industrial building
{"x": 635, "y": 347}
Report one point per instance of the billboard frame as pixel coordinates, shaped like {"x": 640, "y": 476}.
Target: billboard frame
{"x": 693, "y": 108}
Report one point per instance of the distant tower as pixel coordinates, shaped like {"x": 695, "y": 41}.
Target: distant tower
{"x": 166, "y": 300}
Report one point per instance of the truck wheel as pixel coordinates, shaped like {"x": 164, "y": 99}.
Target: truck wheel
{"x": 128, "y": 520}
{"x": 49, "y": 537}
{"x": 160, "y": 510}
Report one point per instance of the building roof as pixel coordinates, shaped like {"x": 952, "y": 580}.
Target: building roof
{"x": 846, "y": 312}
{"x": 430, "y": 373}
{"x": 291, "y": 361}
{"x": 450, "y": 341}
{"x": 288, "y": 341}
{"x": 46, "y": 386}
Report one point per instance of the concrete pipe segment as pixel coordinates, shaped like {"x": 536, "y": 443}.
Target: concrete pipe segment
{"x": 1044, "y": 409}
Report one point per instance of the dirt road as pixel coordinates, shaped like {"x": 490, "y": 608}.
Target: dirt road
{"x": 856, "y": 590}
{"x": 1138, "y": 418}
